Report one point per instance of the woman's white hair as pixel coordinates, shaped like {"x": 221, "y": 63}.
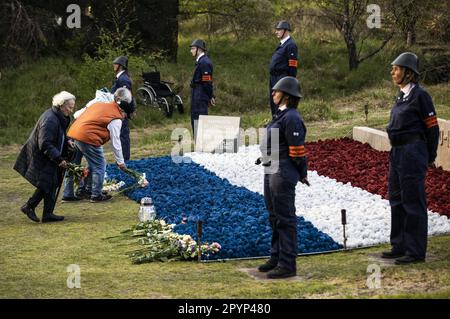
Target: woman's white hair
{"x": 123, "y": 94}
{"x": 60, "y": 98}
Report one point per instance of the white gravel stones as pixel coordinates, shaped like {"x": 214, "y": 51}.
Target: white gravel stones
{"x": 368, "y": 215}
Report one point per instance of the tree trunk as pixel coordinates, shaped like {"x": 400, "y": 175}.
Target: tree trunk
{"x": 410, "y": 38}
{"x": 353, "y": 61}
{"x": 347, "y": 31}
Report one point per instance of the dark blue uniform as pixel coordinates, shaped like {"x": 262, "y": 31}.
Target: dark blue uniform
{"x": 290, "y": 162}
{"x": 414, "y": 134}
{"x": 284, "y": 63}
{"x": 124, "y": 81}
{"x": 202, "y": 88}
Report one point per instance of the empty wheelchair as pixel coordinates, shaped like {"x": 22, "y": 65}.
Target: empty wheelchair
{"x": 157, "y": 93}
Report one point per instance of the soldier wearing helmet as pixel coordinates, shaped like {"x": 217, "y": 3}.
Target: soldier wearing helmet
{"x": 122, "y": 79}
{"x": 202, "y": 95}
{"x": 284, "y": 60}
{"x": 286, "y": 164}
{"x": 414, "y": 134}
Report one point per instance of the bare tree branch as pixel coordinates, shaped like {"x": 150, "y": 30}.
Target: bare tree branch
{"x": 378, "y": 49}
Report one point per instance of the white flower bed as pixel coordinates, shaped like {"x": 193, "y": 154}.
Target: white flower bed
{"x": 368, "y": 215}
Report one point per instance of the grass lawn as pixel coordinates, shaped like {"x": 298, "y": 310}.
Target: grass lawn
{"x": 34, "y": 257}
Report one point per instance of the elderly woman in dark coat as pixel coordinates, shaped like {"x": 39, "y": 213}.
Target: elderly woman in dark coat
{"x": 41, "y": 159}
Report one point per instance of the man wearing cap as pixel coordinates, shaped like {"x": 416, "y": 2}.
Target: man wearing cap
{"x": 284, "y": 60}
{"x": 94, "y": 127}
{"x": 120, "y": 66}
{"x": 413, "y": 132}
{"x": 202, "y": 95}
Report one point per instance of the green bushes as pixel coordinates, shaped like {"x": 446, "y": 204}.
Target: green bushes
{"x": 240, "y": 80}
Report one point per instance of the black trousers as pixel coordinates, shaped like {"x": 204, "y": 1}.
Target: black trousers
{"x": 195, "y": 115}
{"x": 48, "y": 197}
{"x": 407, "y": 197}
{"x": 125, "y": 139}
{"x": 279, "y": 197}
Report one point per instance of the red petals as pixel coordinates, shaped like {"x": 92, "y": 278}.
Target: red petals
{"x": 349, "y": 161}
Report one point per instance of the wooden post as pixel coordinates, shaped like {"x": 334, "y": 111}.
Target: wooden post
{"x": 344, "y": 222}
{"x": 199, "y": 239}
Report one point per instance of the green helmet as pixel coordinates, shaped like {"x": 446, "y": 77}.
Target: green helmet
{"x": 288, "y": 85}
{"x": 408, "y": 60}
{"x": 199, "y": 44}
{"x": 283, "y": 25}
{"x": 122, "y": 60}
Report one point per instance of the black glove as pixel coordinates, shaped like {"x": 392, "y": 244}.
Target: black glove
{"x": 260, "y": 160}
{"x": 305, "y": 181}
{"x": 301, "y": 163}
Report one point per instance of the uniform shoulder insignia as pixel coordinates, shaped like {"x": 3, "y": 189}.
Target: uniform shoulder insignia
{"x": 296, "y": 134}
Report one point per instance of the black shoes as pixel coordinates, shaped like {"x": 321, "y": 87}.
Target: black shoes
{"x": 83, "y": 194}
{"x": 280, "y": 272}
{"x": 71, "y": 199}
{"x": 408, "y": 260}
{"x": 27, "y": 210}
{"x": 266, "y": 266}
{"x": 100, "y": 198}
{"x": 391, "y": 254}
{"x": 52, "y": 218}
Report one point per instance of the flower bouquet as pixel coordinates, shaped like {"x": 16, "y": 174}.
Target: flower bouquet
{"x": 139, "y": 177}
{"x": 112, "y": 186}
{"x": 161, "y": 243}
{"x": 77, "y": 172}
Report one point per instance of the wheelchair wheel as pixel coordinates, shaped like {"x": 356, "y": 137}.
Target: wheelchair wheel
{"x": 165, "y": 107}
{"x": 179, "y": 104}
{"x": 145, "y": 97}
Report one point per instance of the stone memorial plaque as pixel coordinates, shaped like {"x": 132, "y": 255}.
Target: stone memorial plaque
{"x": 443, "y": 152}
{"x": 217, "y": 134}
{"x": 379, "y": 140}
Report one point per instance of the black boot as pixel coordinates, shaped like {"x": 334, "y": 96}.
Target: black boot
{"x": 391, "y": 254}
{"x": 29, "y": 211}
{"x": 408, "y": 260}
{"x": 47, "y": 218}
{"x": 280, "y": 272}
{"x": 267, "y": 266}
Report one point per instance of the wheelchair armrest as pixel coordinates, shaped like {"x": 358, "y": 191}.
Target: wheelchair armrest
{"x": 166, "y": 82}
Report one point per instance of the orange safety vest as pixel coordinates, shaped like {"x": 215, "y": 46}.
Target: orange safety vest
{"x": 92, "y": 126}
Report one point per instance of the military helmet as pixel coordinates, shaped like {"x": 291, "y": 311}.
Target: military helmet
{"x": 283, "y": 25}
{"x": 408, "y": 60}
{"x": 199, "y": 44}
{"x": 289, "y": 85}
{"x": 121, "y": 60}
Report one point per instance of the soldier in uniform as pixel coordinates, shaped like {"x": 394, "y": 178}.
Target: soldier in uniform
{"x": 202, "y": 95}
{"x": 284, "y": 60}
{"x": 120, "y": 65}
{"x": 288, "y": 163}
{"x": 414, "y": 134}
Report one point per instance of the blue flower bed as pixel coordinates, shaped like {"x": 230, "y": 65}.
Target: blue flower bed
{"x": 235, "y": 217}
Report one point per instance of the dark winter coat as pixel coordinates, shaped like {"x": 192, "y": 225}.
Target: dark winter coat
{"x": 39, "y": 158}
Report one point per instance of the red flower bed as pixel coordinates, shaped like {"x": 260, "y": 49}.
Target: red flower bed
{"x": 349, "y": 161}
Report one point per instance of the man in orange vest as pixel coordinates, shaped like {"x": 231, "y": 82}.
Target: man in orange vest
{"x": 99, "y": 123}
